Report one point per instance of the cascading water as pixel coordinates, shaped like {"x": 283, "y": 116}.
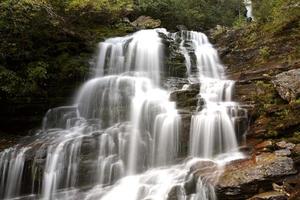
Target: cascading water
{"x": 121, "y": 138}
{"x": 212, "y": 129}
{"x": 248, "y": 4}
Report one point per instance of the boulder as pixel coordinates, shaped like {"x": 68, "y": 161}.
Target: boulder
{"x": 267, "y": 144}
{"x": 285, "y": 145}
{"x": 205, "y": 169}
{"x": 243, "y": 179}
{"x": 283, "y": 152}
{"x": 288, "y": 84}
{"x": 272, "y": 195}
{"x": 175, "y": 193}
{"x": 146, "y": 22}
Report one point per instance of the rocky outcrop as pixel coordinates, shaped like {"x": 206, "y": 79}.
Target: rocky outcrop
{"x": 174, "y": 83}
{"x": 243, "y": 179}
{"x": 185, "y": 99}
{"x": 273, "y": 195}
{"x": 146, "y": 22}
{"x": 288, "y": 84}
{"x": 255, "y": 65}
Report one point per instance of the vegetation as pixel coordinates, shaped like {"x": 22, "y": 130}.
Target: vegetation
{"x": 46, "y": 45}
{"x": 278, "y": 16}
{"x": 194, "y": 14}
{"x": 48, "y": 42}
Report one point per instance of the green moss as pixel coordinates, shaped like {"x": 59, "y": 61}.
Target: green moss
{"x": 297, "y": 101}
{"x": 264, "y": 52}
{"x": 295, "y": 138}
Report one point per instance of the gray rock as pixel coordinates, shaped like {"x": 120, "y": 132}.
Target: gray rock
{"x": 288, "y": 84}
{"x": 175, "y": 193}
{"x": 205, "y": 169}
{"x": 242, "y": 179}
{"x": 174, "y": 83}
{"x": 285, "y": 145}
{"x": 283, "y": 152}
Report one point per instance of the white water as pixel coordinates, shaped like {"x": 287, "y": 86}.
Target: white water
{"x": 12, "y": 165}
{"x": 248, "y": 4}
{"x": 212, "y": 129}
{"x": 121, "y": 138}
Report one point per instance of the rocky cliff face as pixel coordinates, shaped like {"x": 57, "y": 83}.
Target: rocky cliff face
{"x": 266, "y": 70}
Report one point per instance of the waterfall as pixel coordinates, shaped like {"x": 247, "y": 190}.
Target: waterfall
{"x": 212, "y": 128}
{"x": 12, "y": 166}
{"x": 121, "y": 136}
{"x": 248, "y": 5}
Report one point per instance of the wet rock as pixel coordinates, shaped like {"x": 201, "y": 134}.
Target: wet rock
{"x": 273, "y": 195}
{"x": 190, "y": 185}
{"x": 88, "y": 146}
{"x": 175, "y": 193}
{"x": 146, "y": 22}
{"x": 174, "y": 83}
{"x": 285, "y": 145}
{"x": 185, "y": 134}
{"x": 247, "y": 150}
{"x": 181, "y": 27}
{"x": 242, "y": 179}
{"x": 288, "y": 84}
{"x": 205, "y": 169}
{"x": 283, "y": 152}
{"x": 185, "y": 98}
{"x": 203, "y": 165}
{"x": 193, "y": 86}
{"x": 264, "y": 145}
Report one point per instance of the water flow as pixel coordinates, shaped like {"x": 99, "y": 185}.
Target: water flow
{"x": 12, "y": 166}
{"x": 141, "y": 52}
{"x": 121, "y": 123}
{"x": 120, "y": 138}
{"x": 248, "y": 5}
{"x": 212, "y": 128}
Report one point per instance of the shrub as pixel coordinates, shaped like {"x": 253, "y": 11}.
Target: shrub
{"x": 195, "y": 14}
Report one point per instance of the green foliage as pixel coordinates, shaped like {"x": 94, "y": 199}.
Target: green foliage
{"x": 9, "y": 83}
{"x": 278, "y": 16}
{"x": 239, "y": 22}
{"x": 265, "y": 96}
{"x": 37, "y": 71}
{"x": 297, "y": 101}
{"x": 101, "y": 5}
{"x": 263, "y": 10}
{"x": 195, "y": 14}
{"x": 46, "y": 43}
{"x": 101, "y": 11}
{"x": 295, "y": 138}
{"x": 264, "y": 52}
